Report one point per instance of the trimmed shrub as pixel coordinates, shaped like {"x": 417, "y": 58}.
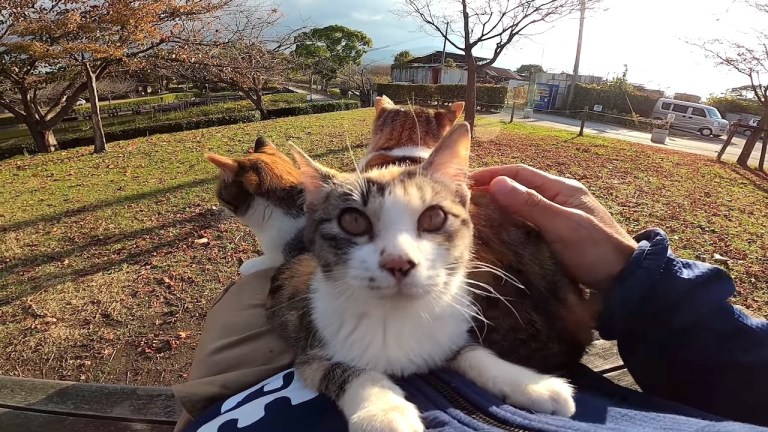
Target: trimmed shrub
{"x": 135, "y": 131}
{"x": 8, "y": 121}
{"x": 403, "y": 93}
{"x": 492, "y": 95}
{"x": 148, "y": 126}
{"x": 136, "y": 103}
{"x": 430, "y": 94}
{"x": 615, "y": 99}
{"x": 313, "y": 108}
{"x": 732, "y": 105}
{"x": 193, "y": 118}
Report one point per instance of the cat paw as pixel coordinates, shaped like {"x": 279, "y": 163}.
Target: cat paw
{"x": 388, "y": 414}
{"x": 551, "y": 395}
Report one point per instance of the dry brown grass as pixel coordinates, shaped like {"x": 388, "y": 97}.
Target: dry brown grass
{"x": 102, "y": 281}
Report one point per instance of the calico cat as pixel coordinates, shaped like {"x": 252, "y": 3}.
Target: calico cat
{"x": 534, "y": 314}
{"x": 383, "y": 292}
{"x": 263, "y": 190}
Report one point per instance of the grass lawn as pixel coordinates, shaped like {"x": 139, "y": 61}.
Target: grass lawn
{"x": 101, "y": 278}
{"x": 18, "y": 136}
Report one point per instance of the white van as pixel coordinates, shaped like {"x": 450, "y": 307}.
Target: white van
{"x": 694, "y": 117}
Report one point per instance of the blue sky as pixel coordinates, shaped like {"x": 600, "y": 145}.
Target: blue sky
{"x": 649, "y": 37}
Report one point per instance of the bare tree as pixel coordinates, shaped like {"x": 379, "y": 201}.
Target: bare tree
{"x": 497, "y": 22}
{"x": 246, "y": 49}
{"x": 113, "y": 87}
{"x": 76, "y": 41}
{"x": 751, "y": 60}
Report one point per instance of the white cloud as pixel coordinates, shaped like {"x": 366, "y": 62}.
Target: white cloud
{"x": 364, "y": 17}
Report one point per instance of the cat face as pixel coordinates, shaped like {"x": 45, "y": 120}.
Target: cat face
{"x": 394, "y": 232}
{"x": 265, "y": 173}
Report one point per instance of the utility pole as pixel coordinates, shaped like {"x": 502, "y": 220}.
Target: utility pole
{"x": 442, "y": 62}
{"x": 572, "y": 86}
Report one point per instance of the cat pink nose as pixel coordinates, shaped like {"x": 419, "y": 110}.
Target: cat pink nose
{"x": 397, "y": 265}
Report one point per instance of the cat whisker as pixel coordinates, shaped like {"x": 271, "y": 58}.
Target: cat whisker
{"x": 468, "y": 314}
{"x": 288, "y": 303}
{"x": 476, "y": 266}
{"x": 493, "y": 293}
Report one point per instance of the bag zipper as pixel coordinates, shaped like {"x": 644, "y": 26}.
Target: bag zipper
{"x": 458, "y": 402}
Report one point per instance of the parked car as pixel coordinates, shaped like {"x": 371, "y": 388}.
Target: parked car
{"x": 694, "y": 117}
{"x": 80, "y": 102}
{"x": 744, "y": 131}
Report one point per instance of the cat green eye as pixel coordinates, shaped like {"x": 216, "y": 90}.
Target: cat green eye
{"x": 354, "y": 222}
{"x": 432, "y": 219}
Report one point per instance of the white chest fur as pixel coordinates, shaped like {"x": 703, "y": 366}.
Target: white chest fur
{"x": 391, "y": 338}
{"x": 273, "y": 227}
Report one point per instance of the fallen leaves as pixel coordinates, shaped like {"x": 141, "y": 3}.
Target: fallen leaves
{"x": 129, "y": 277}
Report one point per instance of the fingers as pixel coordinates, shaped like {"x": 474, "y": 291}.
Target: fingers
{"x": 549, "y": 186}
{"x": 528, "y": 204}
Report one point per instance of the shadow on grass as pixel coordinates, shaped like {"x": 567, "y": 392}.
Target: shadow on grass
{"x": 338, "y": 151}
{"x": 105, "y": 204}
{"x": 153, "y": 236}
{"x": 758, "y": 179}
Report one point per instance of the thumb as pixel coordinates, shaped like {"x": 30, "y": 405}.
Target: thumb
{"x": 526, "y": 203}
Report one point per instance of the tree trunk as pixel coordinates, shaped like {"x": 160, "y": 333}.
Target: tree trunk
{"x": 749, "y": 145}
{"x": 45, "y": 141}
{"x": 470, "y": 97}
{"x": 99, "y": 142}
{"x": 257, "y": 99}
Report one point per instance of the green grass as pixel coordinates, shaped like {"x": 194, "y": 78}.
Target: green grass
{"x": 101, "y": 279}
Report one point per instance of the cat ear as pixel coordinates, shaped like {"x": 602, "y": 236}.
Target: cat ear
{"x": 314, "y": 177}
{"x": 450, "y": 158}
{"x": 447, "y": 118}
{"x": 227, "y": 166}
{"x": 382, "y": 102}
{"x": 261, "y": 143}
{"x": 457, "y": 108}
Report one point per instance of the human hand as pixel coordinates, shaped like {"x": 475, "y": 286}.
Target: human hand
{"x": 586, "y": 239}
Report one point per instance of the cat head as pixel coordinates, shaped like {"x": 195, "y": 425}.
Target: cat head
{"x": 397, "y": 232}
{"x": 396, "y": 126}
{"x": 263, "y": 177}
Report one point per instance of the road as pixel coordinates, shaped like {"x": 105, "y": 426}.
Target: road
{"x": 315, "y": 96}
{"x": 678, "y": 140}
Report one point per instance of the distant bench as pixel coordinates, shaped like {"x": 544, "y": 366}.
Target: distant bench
{"x": 33, "y": 405}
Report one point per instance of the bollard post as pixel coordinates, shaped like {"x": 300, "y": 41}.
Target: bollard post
{"x": 512, "y": 116}
{"x": 583, "y": 120}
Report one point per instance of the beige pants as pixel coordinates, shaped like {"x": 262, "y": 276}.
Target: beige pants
{"x": 237, "y": 349}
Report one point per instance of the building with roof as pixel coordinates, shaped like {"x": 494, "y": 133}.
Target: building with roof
{"x": 429, "y": 69}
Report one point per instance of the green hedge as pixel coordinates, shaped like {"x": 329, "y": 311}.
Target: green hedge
{"x": 491, "y": 95}
{"x": 732, "y": 105}
{"x": 8, "y": 121}
{"x": 313, "y": 108}
{"x": 194, "y": 118}
{"x": 613, "y": 99}
{"x": 133, "y": 131}
{"x": 135, "y": 103}
{"x": 136, "y": 130}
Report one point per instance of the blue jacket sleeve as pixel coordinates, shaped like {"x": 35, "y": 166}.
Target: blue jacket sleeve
{"x": 681, "y": 339}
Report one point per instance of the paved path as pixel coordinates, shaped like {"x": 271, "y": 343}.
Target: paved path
{"x": 681, "y": 141}
{"x": 315, "y": 96}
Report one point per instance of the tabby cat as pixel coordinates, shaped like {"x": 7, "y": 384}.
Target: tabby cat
{"x": 545, "y": 320}
{"x": 382, "y": 291}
